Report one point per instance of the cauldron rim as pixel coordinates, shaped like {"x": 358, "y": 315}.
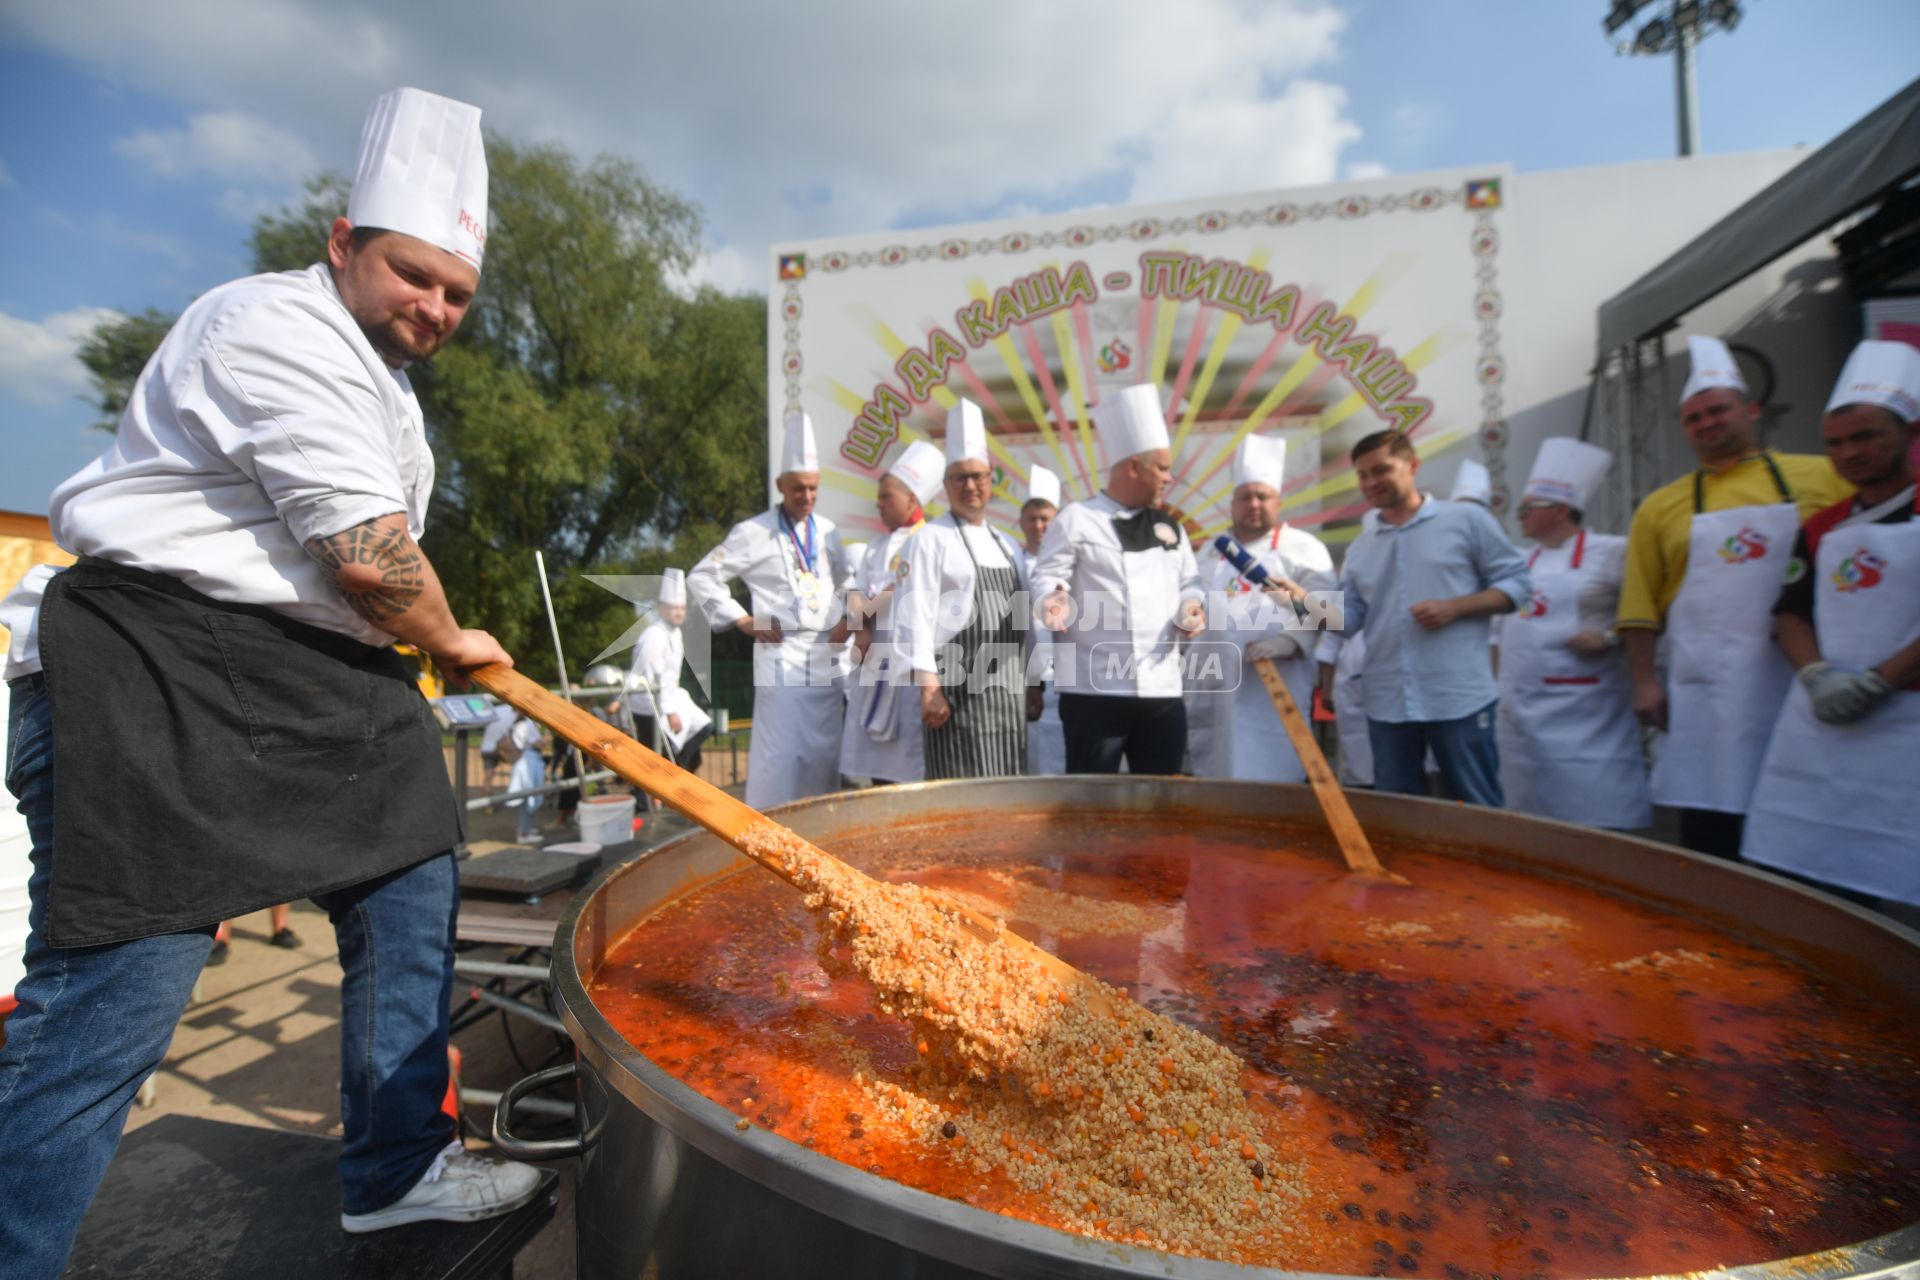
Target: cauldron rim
{"x": 966, "y": 1236}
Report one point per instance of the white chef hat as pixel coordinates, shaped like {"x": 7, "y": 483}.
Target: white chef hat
{"x": 1568, "y": 471}
{"x": 1260, "y": 460}
{"x": 1713, "y": 366}
{"x": 1882, "y": 373}
{"x": 1043, "y": 485}
{"x": 673, "y": 586}
{"x": 422, "y": 171}
{"x": 798, "y": 452}
{"x": 1472, "y": 483}
{"x": 920, "y": 468}
{"x": 1131, "y": 423}
{"x": 966, "y": 433}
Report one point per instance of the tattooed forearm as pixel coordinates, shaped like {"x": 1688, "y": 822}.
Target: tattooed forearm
{"x": 376, "y": 566}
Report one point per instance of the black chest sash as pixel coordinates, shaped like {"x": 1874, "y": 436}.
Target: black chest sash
{"x": 213, "y": 759}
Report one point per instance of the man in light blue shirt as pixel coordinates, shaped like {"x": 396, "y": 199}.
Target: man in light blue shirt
{"x": 1421, "y": 584}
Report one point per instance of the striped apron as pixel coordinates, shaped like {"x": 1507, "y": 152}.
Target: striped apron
{"x": 986, "y": 737}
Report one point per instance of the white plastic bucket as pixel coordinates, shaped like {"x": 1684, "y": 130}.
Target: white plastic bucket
{"x": 606, "y": 819}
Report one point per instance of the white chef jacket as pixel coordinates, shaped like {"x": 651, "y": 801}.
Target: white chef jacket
{"x": 934, "y": 601}
{"x": 759, "y": 552}
{"x": 1233, "y": 728}
{"x": 264, "y": 420}
{"x": 657, "y": 658}
{"x": 1121, "y": 640}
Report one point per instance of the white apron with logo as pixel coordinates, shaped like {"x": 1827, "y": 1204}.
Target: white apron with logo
{"x": 1569, "y": 743}
{"x": 1726, "y": 678}
{"x": 1835, "y": 800}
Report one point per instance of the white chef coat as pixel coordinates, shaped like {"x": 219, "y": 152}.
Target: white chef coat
{"x": 882, "y": 735}
{"x": 798, "y": 706}
{"x": 1569, "y": 742}
{"x": 935, "y": 595}
{"x": 657, "y": 658}
{"x": 1233, "y": 728}
{"x": 1046, "y": 737}
{"x": 270, "y": 420}
{"x": 1120, "y": 640}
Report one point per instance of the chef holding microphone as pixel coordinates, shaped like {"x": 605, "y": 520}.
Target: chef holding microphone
{"x": 1253, "y": 581}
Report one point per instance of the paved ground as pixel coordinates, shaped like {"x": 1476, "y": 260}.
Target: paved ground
{"x": 260, "y": 1046}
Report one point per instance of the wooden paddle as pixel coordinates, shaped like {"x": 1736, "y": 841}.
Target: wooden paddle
{"x": 1326, "y": 788}
{"x": 714, "y": 809}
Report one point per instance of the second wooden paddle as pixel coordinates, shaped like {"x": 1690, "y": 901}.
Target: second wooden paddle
{"x": 1326, "y": 788}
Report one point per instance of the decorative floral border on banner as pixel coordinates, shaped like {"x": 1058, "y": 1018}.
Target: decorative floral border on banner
{"x": 1482, "y": 197}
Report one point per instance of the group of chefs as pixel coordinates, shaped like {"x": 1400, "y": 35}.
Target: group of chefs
{"x": 1107, "y": 637}
{"x": 248, "y": 552}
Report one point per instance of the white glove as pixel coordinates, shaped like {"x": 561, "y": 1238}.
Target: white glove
{"x": 1841, "y": 697}
{"x": 1866, "y": 690}
{"x": 1275, "y": 647}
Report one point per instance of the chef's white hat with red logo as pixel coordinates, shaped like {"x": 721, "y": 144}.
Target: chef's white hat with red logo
{"x": 423, "y": 172}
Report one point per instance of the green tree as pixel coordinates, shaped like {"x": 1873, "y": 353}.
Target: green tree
{"x": 114, "y": 354}
{"x": 590, "y": 405}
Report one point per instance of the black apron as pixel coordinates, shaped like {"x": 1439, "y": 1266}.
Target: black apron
{"x": 215, "y": 759}
{"x": 986, "y": 737}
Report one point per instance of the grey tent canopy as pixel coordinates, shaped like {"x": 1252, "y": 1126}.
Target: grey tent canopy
{"x": 1859, "y": 168}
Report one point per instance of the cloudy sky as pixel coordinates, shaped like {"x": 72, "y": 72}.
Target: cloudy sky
{"x": 138, "y": 140}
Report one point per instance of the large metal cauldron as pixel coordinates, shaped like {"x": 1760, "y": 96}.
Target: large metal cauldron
{"x": 668, "y": 1188}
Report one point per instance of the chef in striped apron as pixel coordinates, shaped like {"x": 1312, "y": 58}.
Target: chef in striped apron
{"x": 962, "y": 618}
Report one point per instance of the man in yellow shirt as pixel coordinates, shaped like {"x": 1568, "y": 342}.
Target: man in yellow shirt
{"x": 1706, "y": 557}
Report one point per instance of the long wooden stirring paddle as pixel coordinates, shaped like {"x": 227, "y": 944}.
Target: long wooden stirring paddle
{"x": 718, "y": 812}
{"x": 1353, "y": 843}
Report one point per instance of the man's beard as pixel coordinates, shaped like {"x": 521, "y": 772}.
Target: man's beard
{"x": 399, "y": 340}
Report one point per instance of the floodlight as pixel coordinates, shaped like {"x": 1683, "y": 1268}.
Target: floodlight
{"x": 1622, "y": 13}
{"x": 1654, "y": 37}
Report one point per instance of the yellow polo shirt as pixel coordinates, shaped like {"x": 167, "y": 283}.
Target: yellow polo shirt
{"x": 1657, "y": 540}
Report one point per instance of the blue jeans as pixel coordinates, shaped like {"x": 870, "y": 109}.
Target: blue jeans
{"x": 1464, "y": 748}
{"x": 93, "y": 1022}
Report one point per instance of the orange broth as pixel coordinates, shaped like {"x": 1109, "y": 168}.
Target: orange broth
{"x": 1485, "y": 1073}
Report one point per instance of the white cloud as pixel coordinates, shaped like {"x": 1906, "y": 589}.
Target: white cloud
{"x": 873, "y": 108}
{"x": 1366, "y": 170}
{"x": 38, "y": 359}
{"x": 224, "y": 144}
{"x": 1236, "y": 143}
{"x": 728, "y": 270}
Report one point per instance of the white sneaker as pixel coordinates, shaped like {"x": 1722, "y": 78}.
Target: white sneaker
{"x": 457, "y": 1187}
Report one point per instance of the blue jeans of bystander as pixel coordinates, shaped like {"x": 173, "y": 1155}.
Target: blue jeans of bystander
{"x": 1465, "y": 750}
{"x": 93, "y": 1022}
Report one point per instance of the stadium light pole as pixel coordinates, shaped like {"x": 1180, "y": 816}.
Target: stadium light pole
{"x": 1677, "y": 28}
